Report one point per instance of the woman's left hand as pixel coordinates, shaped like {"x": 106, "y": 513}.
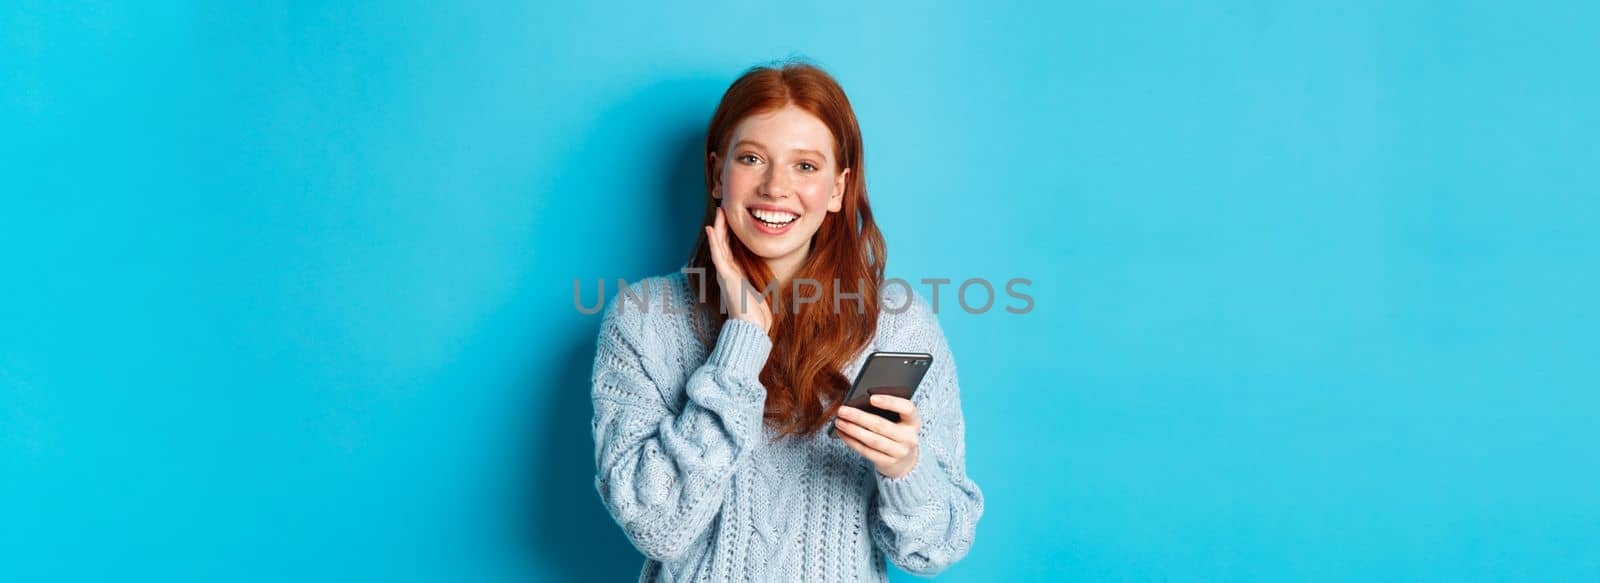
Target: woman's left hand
{"x": 892, "y": 447}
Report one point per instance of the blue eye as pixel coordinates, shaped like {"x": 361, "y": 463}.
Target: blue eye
{"x": 751, "y": 157}
{"x": 807, "y": 166}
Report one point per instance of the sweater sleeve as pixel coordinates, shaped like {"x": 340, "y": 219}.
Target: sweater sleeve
{"x": 664, "y": 474}
{"x": 926, "y": 519}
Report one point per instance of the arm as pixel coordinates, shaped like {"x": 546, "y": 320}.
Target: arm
{"x": 926, "y": 519}
{"x": 664, "y": 475}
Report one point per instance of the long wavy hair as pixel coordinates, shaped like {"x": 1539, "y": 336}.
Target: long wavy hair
{"x": 812, "y": 343}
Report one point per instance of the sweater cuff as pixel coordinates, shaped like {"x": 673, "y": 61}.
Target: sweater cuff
{"x": 916, "y": 489}
{"x": 741, "y": 349}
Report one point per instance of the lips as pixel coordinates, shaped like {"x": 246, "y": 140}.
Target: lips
{"x": 773, "y": 221}
{"x": 773, "y": 218}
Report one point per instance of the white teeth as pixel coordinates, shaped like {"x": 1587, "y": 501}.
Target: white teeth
{"x": 774, "y": 217}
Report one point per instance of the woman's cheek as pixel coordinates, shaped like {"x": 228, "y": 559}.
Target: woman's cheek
{"x": 815, "y": 208}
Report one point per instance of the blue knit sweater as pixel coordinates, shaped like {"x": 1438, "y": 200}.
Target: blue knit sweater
{"x": 697, "y": 481}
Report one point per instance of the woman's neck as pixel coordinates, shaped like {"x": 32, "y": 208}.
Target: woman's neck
{"x": 784, "y": 268}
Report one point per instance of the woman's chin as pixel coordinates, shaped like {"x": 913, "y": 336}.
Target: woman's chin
{"x": 769, "y": 254}
{"x": 768, "y": 249}
{"x": 768, "y": 246}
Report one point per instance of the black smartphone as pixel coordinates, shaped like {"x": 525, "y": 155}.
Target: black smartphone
{"x": 890, "y": 373}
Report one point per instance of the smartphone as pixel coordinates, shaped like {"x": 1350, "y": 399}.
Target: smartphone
{"x": 888, "y": 373}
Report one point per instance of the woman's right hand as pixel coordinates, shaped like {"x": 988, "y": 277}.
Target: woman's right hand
{"x": 730, "y": 277}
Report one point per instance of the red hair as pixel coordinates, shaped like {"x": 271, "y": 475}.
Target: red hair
{"x": 811, "y": 345}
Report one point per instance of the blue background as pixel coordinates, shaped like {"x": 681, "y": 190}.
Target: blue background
{"x": 287, "y": 288}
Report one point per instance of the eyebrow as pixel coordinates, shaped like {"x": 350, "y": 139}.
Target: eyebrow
{"x": 760, "y": 145}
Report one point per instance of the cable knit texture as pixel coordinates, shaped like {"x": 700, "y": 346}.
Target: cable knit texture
{"x": 703, "y": 487}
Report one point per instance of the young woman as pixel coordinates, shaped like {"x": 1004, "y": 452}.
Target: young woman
{"x": 712, "y": 386}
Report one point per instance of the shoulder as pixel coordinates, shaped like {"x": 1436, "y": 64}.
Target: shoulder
{"x": 908, "y": 323}
{"x": 641, "y": 309}
{"x": 669, "y": 286}
{"x": 649, "y": 295}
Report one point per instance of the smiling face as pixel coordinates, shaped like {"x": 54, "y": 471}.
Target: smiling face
{"x": 779, "y": 181}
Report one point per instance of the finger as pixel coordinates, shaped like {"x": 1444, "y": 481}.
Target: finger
{"x": 875, "y": 456}
{"x": 884, "y": 445}
{"x": 719, "y": 239}
{"x": 719, "y": 229}
{"x": 901, "y": 405}
{"x": 716, "y": 254}
{"x": 716, "y": 247}
{"x": 872, "y": 421}
{"x": 730, "y": 275}
{"x": 719, "y": 247}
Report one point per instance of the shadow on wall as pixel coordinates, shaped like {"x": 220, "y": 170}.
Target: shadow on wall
{"x": 573, "y": 532}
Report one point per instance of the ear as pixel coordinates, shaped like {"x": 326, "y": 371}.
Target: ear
{"x": 836, "y": 202}
{"x": 716, "y": 176}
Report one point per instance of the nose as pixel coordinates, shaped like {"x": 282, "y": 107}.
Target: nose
{"x": 776, "y": 184}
